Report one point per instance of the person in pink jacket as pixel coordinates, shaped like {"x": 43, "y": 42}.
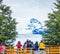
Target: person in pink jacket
{"x": 2, "y": 48}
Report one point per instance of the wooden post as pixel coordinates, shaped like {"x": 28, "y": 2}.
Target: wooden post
{"x": 59, "y": 49}
{"x": 48, "y": 50}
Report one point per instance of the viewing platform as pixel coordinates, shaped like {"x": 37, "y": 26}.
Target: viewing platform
{"x": 49, "y": 50}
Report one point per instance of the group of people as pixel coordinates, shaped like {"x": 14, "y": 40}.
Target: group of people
{"x": 28, "y": 44}
{"x": 35, "y": 46}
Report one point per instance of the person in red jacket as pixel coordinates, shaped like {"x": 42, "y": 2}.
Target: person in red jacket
{"x": 19, "y": 45}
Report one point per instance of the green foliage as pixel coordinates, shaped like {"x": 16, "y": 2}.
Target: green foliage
{"x": 7, "y": 24}
{"x": 53, "y": 26}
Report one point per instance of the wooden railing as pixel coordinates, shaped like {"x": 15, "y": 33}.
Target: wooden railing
{"x": 20, "y": 51}
{"x": 52, "y": 49}
{"x": 48, "y": 49}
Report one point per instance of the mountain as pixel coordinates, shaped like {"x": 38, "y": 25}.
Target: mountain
{"x": 36, "y": 26}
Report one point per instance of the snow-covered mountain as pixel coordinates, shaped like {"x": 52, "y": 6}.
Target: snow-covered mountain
{"x": 36, "y": 26}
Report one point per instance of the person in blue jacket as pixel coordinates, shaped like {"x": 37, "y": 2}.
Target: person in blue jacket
{"x": 36, "y": 47}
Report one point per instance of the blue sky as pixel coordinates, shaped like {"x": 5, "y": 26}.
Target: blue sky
{"x": 24, "y": 10}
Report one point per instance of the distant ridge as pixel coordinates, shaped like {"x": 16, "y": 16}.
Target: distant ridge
{"x": 36, "y": 26}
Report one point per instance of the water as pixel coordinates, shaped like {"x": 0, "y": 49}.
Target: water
{"x": 24, "y": 37}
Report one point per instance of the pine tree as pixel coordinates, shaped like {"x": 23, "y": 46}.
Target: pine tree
{"x": 52, "y": 36}
{"x": 7, "y": 24}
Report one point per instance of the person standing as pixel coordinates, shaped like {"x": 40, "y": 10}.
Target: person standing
{"x": 36, "y": 47}
{"x": 19, "y": 45}
{"x": 42, "y": 48}
{"x": 2, "y": 48}
{"x": 25, "y": 47}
